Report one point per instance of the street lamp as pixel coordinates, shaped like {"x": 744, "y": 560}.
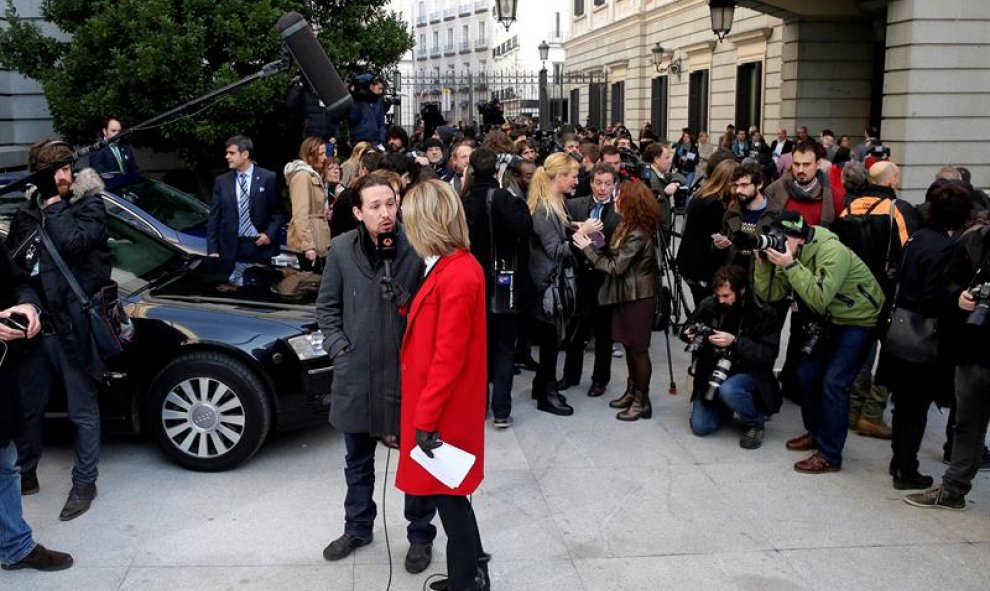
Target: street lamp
{"x": 675, "y": 67}
{"x": 723, "y": 11}
{"x": 505, "y": 12}
{"x": 544, "y": 49}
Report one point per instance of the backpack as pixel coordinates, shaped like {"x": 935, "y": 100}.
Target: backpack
{"x": 869, "y": 236}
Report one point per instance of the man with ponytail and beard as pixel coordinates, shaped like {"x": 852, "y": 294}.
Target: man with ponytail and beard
{"x": 69, "y": 209}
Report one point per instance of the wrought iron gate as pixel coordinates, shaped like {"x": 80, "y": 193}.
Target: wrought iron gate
{"x": 459, "y": 96}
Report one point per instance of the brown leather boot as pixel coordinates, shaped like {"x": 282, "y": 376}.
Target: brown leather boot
{"x": 626, "y": 399}
{"x": 639, "y": 409}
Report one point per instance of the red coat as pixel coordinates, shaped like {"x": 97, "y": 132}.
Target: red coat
{"x": 444, "y": 371}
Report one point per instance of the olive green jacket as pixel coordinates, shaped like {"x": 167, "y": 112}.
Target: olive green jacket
{"x": 828, "y": 278}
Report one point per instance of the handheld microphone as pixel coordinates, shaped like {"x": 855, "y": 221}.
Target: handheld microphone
{"x": 386, "y": 249}
{"x": 313, "y": 62}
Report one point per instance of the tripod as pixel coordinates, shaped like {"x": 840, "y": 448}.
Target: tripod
{"x": 670, "y": 282}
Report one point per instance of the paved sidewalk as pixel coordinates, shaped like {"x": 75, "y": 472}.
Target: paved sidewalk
{"x": 573, "y": 503}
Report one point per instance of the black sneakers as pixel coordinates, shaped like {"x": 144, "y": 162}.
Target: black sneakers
{"x": 752, "y": 438}
{"x": 418, "y": 558}
{"x": 343, "y": 546}
{"x": 502, "y": 423}
{"x": 915, "y": 481}
{"x": 80, "y": 498}
{"x": 936, "y": 497}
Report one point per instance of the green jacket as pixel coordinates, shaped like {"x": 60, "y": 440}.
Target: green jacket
{"x": 829, "y": 279}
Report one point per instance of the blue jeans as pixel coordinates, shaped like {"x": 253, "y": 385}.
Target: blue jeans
{"x": 359, "y": 505}
{"x": 39, "y": 370}
{"x": 824, "y": 379}
{"x": 737, "y": 395}
{"x": 15, "y": 534}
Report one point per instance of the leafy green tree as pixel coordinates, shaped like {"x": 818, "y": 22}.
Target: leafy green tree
{"x": 139, "y": 58}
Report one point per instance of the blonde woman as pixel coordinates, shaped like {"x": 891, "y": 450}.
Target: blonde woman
{"x": 349, "y": 169}
{"x": 549, "y": 249}
{"x": 697, "y": 259}
{"x": 444, "y": 378}
{"x": 308, "y": 232}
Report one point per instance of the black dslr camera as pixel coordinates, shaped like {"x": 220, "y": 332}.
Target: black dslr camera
{"x": 700, "y": 338}
{"x": 547, "y": 142}
{"x": 880, "y": 152}
{"x": 630, "y": 166}
{"x": 980, "y": 293}
{"x": 771, "y": 238}
{"x": 814, "y": 330}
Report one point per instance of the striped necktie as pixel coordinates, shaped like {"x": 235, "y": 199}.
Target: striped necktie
{"x": 246, "y": 228}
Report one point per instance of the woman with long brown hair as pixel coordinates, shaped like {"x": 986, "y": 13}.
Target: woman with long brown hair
{"x": 630, "y": 285}
{"x": 349, "y": 169}
{"x": 697, "y": 258}
{"x": 308, "y": 232}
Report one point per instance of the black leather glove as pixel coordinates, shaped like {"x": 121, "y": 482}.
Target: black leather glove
{"x": 393, "y": 291}
{"x": 428, "y": 441}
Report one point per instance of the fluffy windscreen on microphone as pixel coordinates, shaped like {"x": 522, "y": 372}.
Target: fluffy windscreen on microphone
{"x": 313, "y": 62}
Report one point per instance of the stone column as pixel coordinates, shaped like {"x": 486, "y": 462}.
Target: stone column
{"x": 937, "y": 90}
{"x": 825, "y": 76}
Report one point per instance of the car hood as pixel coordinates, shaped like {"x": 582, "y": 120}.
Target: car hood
{"x": 196, "y": 288}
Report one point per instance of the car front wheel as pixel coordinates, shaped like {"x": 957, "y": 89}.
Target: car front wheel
{"x": 209, "y": 412}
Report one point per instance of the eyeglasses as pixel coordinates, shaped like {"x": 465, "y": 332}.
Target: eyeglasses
{"x": 742, "y": 185}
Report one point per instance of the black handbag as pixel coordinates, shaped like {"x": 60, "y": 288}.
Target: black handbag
{"x": 109, "y": 326}
{"x": 910, "y": 335}
{"x": 503, "y": 299}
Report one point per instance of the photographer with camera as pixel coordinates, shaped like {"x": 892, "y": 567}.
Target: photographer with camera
{"x": 734, "y": 340}
{"x": 670, "y": 187}
{"x": 835, "y": 285}
{"x": 367, "y": 116}
{"x": 747, "y": 215}
{"x": 967, "y": 295}
{"x": 19, "y": 320}
{"x": 63, "y": 216}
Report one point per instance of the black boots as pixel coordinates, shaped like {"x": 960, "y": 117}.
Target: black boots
{"x": 549, "y": 399}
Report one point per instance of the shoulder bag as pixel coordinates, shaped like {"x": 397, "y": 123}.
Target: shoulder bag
{"x": 911, "y": 336}
{"x": 109, "y": 326}
{"x": 503, "y": 299}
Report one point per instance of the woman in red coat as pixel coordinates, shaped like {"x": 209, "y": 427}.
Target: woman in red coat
{"x": 444, "y": 384}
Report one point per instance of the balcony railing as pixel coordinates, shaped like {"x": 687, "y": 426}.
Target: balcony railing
{"x": 482, "y": 5}
{"x": 449, "y": 13}
{"x": 480, "y": 44}
{"x": 435, "y": 16}
{"x": 449, "y": 49}
{"x": 420, "y": 54}
{"x": 464, "y": 9}
{"x": 421, "y": 20}
{"x": 435, "y": 51}
{"x": 465, "y": 47}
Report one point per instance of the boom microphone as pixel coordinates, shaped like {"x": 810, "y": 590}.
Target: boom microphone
{"x": 313, "y": 62}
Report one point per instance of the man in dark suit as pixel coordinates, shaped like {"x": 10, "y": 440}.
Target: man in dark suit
{"x": 246, "y": 213}
{"x": 593, "y": 319}
{"x": 115, "y": 158}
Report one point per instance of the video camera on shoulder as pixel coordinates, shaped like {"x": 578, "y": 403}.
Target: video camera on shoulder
{"x": 631, "y": 167}
{"x": 880, "y": 152}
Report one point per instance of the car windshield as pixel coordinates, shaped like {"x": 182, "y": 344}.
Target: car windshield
{"x": 174, "y": 208}
{"x": 139, "y": 259}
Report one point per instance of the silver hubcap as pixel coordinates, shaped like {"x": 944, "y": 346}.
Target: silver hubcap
{"x": 203, "y": 417}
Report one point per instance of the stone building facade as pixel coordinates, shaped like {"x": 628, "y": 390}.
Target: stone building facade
{"x": 919, "y": 69}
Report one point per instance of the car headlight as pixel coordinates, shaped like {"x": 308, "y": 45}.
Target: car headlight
{"x": 308, "y": 346}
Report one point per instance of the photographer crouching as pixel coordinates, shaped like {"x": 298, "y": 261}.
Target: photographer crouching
{"x": 734, "y": 339}
{"x": 835, "y": 285}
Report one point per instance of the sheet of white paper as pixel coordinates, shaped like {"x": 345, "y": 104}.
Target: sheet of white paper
{"x": 449, "y": 464}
